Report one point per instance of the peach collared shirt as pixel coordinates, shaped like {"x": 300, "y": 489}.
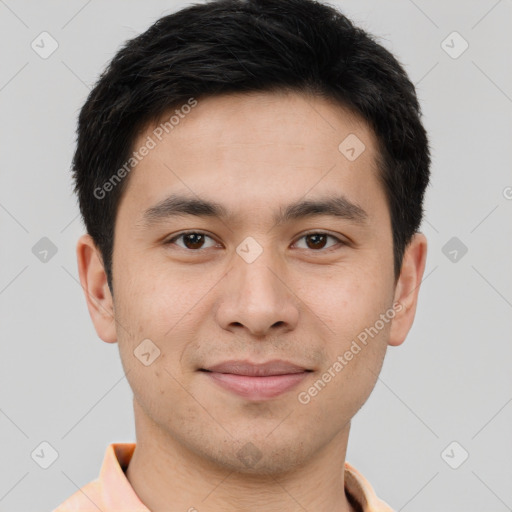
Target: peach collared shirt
{"x": 112, "y": 492}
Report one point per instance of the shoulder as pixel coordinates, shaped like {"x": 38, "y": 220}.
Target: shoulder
{"x": 86, "y": 499}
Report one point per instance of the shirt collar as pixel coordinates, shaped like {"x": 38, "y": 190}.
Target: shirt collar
{"x": 117, "y": 492}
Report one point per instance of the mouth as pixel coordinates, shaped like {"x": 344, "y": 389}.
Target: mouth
{"x": 256, "y": 381}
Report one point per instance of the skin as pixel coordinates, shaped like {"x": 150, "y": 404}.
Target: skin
{"x": 253, "y": 153}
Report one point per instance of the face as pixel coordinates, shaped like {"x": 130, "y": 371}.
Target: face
{"x": 291, "y": 260}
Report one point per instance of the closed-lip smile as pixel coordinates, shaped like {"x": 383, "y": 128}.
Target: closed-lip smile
{"x": 256, "y": 381}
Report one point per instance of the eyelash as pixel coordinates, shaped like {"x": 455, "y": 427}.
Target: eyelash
{"x": 184, "y": 233}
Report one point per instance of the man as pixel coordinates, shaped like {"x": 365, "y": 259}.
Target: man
{"x": 251, "y": 175}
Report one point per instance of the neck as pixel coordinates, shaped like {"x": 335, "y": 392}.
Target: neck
{"x": 164, "y": 474}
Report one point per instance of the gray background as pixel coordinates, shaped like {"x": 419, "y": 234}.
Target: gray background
{"x": 450, "y": 381}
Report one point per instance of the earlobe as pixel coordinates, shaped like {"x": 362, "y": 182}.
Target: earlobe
{"x": 97, "y": 293}
{"x": 407, "y": 288}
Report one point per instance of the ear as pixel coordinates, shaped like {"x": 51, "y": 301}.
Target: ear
{"x": 407, "y": 288}
{"x": 97, "y": 293}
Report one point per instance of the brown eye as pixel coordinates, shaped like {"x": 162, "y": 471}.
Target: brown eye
{"x": 318, "y": 241}
{"x": 192, "y": 240}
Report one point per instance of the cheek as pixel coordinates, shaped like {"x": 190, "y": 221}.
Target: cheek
{"x": 350, "y": 306}
{"x": 347, "y": 377}
{"x": 166, "y": 308}
{"x": 153, "y": 300}
{"x": 349, "y": 297}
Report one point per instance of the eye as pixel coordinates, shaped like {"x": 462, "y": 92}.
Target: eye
{"x": 318, "y": 240}
{"x": 192, "y": 240}
{"x": 195, "y": 240}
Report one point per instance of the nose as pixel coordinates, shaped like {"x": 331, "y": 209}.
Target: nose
{"x": 256, "y": 297}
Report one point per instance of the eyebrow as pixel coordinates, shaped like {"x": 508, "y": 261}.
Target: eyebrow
{"x": 178, "y": 205}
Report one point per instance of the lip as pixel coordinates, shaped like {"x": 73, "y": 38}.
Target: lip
{"x": 256, "y": 381}
{"x": 239, "y": 367}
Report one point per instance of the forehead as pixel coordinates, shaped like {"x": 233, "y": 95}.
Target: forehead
{"x": 252, "y": 121}
{"x": 255, "y": 150}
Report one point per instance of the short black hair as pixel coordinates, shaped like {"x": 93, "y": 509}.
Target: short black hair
{"x": 236, "y": 46}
